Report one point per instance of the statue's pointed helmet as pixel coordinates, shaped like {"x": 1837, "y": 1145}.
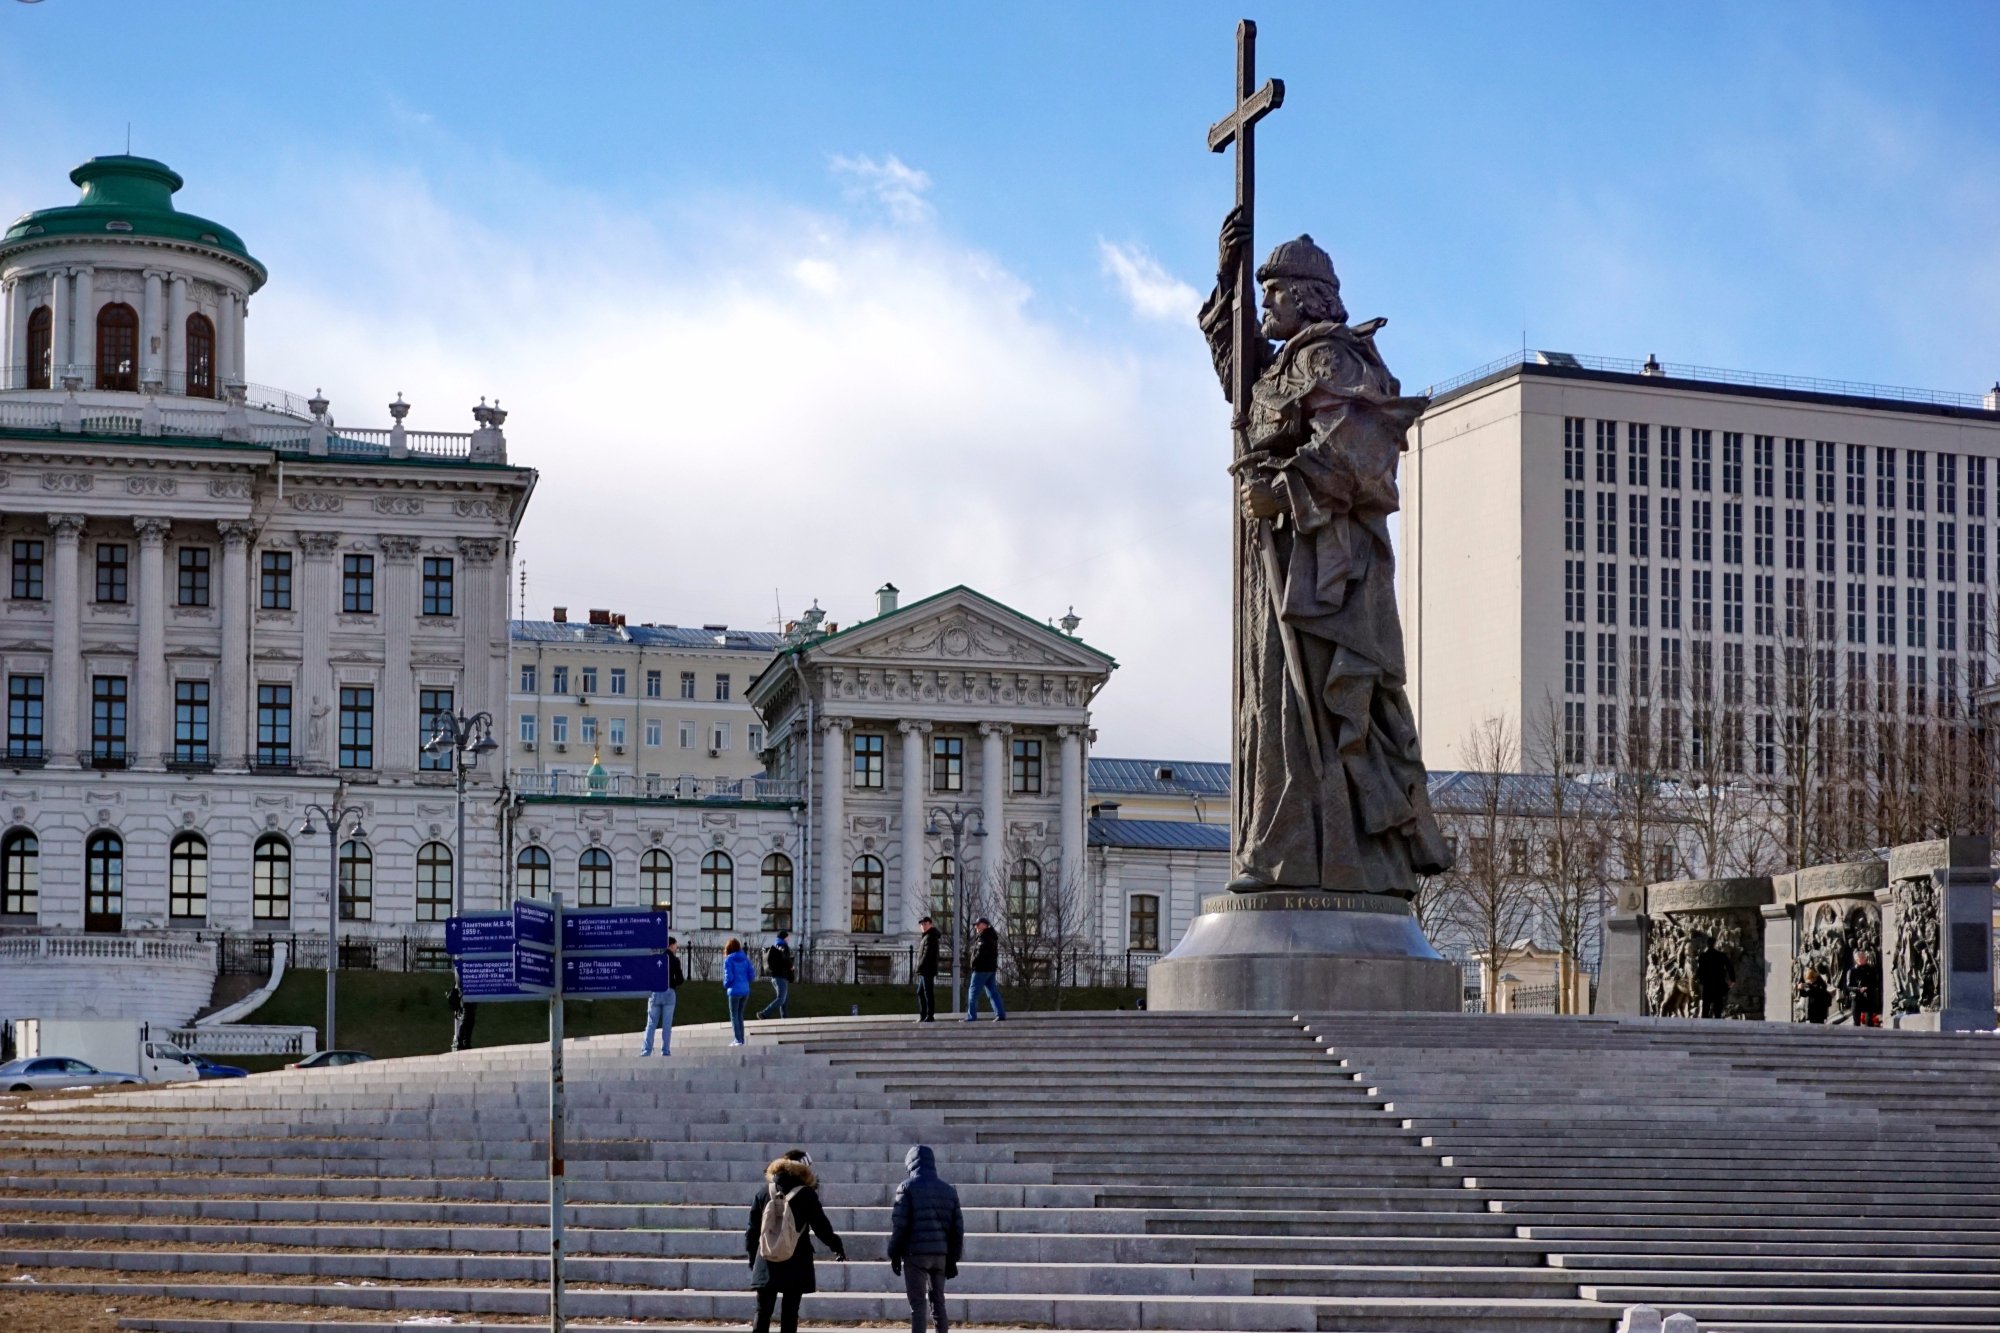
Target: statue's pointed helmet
{"x": 1299, "y": 259}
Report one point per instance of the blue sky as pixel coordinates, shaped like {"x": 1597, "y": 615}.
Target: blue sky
{"x": 811, "y": 296}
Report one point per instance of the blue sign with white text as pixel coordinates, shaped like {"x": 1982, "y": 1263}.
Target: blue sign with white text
{"x": 488, "y": 979}
{"x": 480, "y": 933}
{"x": 589, "y": 932}
{"x": 533, "y": 969}
{"x": 630, "y": 975}
{"x": 534, "y": 923}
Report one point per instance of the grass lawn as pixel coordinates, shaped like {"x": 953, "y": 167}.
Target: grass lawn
{"x": 404, "y": 1013}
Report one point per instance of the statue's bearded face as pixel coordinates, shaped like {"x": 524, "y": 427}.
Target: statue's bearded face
{"x": 1283, "y": 314}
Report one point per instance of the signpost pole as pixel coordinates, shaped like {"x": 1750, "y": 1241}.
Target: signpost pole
{"x": 557, "y": 1189}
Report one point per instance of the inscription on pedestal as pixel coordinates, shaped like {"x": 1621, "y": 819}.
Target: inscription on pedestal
{"x": 1277, "y": 900}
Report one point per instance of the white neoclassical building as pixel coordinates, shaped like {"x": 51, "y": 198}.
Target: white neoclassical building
{"x": 221, "y": 607}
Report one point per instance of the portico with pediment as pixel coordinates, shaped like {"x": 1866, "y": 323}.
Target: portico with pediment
{"x": 952, "y": 701}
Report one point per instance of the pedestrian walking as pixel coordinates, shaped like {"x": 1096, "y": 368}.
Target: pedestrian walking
{"x": 778, "y": 967}
{"x": 660, "y": 1004}
{"x": 926, "y": 1237}
{"x": 784, "y": 1218}
{"x": 985, "y": 967}
{"x": 736, "y": 971}
{"x": 461, "y": 1017}
{"x": 927, "y": 968}
{"x": 1714, "y": 974}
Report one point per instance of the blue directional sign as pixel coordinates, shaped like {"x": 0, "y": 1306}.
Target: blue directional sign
{"x": 480, "y": 933}
{"x": 489, "y": 979}
{"x": 626, "y": 976}
{"x": 534, "y": 923}
{"x": 594, "y": 931}
{"x": 534, "y": 969}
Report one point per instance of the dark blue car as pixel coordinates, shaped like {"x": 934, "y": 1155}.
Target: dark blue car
{"x": 210, "y": 1069}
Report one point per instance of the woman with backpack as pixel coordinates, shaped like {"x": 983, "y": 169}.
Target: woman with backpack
{"x": 736, "y": 974}
{"x": 784, "y": 1218}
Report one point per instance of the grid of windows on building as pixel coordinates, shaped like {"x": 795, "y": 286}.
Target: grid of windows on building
{"x": 618, "y": 680}
{"x": 559, "y": 680}
{"x": 528, "y": 721}
{"x": 187, "y": 877}
{"x": 655, "y": 731}
{"x": 27, "y": 570}
{"x": 25, "y": 703}
{"x": 357, "y": 585}
{"x": 1024, "y": 897}
{"x": 867, "y": 760}
{"x": 274, "y": 725}
{"x": 20, "y": 873}
{"x": 194, "y": 576}
{"x": 534, "y": 873}
{"x": 717, "y": 894}
{"x": 652, "y": 684}
{"x": 274, "y": 581}
{"x": 589, "y": 685}
{"x": 357, "y": 726}
{"x": 528, "y": 677}
{"x": 114, "y": 567}
{"x": 1142, "y": 930}
{"x": 687, "y": 684}
{"x": 593, "y": 878}
{"x": 103, "y": 882}
{"x": 722, "y": 687}
{"x": 437, "y": 586}
{"x": 435, "y": 720}
{"x": 656, "y": 880}
{"x": 866, "y": 896}
{"x": 107, "y": 719}
{"x": 434, "y": 882}
{"x": 271, "y": 879}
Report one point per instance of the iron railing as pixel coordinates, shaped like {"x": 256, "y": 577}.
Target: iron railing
{"x": 1672, "y": 370}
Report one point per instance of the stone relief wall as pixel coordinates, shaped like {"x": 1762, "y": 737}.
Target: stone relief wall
{"x": 1832, "y": 933}
{"x": 1676, "y": 940}
{"x": 1916, "y": 984}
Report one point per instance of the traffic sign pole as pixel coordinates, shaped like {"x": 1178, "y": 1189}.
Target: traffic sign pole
{"x": 558, "y": 1191}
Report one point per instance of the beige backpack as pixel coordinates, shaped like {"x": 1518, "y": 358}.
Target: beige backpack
{"x": 780, "y": 1236}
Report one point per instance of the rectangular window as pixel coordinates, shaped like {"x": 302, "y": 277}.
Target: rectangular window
{"x": 1795, "y": 539}
{"x": 1765, "y": 676}
{"x": 1670, "y": 527}
{"x": 1975, "y": 551}
{"x": 722, "y": 688}
{"x": 1607, "y": 523}
{"x": 1885, "y": 546}
{"x": 615, "y": 732}
{"x": 1607, "y": 453}
{"x": 653, "y": 686}
{"x": 1670, "y": 457}
{"x": 357, "y": 585}
{"x": 274, "y": 725}
{"x": 559, "y": 729}
{"x": 1573, "y": 732}
{"x": 1639, "y": 655}
{"x": 1732, "y": 603}
{"x": 947, "y": 763}
{"x": 1142, "y": 932}
{"x": 1572, "y": 520}
{"x": 654, "y": 731}
{"x": 435, "y": 716}
{"x": 28, "y": 570}
{"x": 1027, "y": 768}
{"x": 589, "y": 685}
{"x": 1607, "y": 593}
{"x": 1607, "y": 664}
{"x": 1795, "y": 469}
{"x": 753, "y": 738}
{"x": 687, "y": 684}
{"x": 529, "y": 728}
{"x": 1823, "y": 471}
{"x": 107, "y": 718}
{"x": 1698, "y": 459}
{"x": 1732, "y": 534}
{"x": 1857, "y": 543}
{"x": 1572, "y": 448}
{"x": 1670, "y": 598}
{"x": 867, "y": 761}
{"x": 24, "y": 717}
{"x": 1761, "y": 450}
{"x": 618, "y": 680}
{"x": 1913, "y": 617}
{"x": 1765, "y": 589}
{"x": 1916, "y": 566}
{"x": 1913, "y": 479}
{"x": 1766, "y": 535}
{"x": 687, "y": 735}
{"x": 1573, "y": 591}
{"x": 1885, "y": 478}
{"x": 528, "y": 679}
{"x": 113, "y": 571}
{"x": 1670, "y": 669}
{"x": 1635, "y": 454}
{"x": 357, "y": 726}
{"x": 274, "y": 581}
{"x": 587, "y": 731}
{"x": 1607, "y": 734}
{"x": 1975, "y": 486}
{"x": 1638, "y": 537}
{"x": 1947, "y": 552}
{"x": 1823, "y": 542}
{"x": 1638, "y": 596}
{"x": 1885, "y": 616}
{"x": 1947, "y": 483}
{"x": 437, "y": 585}
{"x": 194, "y": 575}
{"x": 1857, "y": 613}
{"x": 1701, "y": 601}
{"x": 1857, "y": 475}
{"x": 1732, "y": 674}
{"x": 1917, "y": 701}
{"x": 1947, "y": 621}
{"x": 1702, "y": 525}
{"x": 190, "y": 721}
{"x": 1573, "y": 659}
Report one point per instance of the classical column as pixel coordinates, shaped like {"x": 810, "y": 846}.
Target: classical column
{"x": 993, "y": 778}
{"x": 150, "y": 341}
{"x": 83, "y": 351}
{"x": 232, "y": 356}
{"x": 177, "y": 313}
{"x": 67, "y": 682}
{"x": 481, "y": 620}
{"x": 834, "y": 913}
{"x": 916, "y": 870}
{"x": 61, "y": 306}
{"x": 1072, "y": 793}
{"x": 314, "y": 704}
{"x": 152, "y": 702}
{"x": 396, "y": 705}
{"x": 231, "y": 740}
{"x": 11, "y": 352}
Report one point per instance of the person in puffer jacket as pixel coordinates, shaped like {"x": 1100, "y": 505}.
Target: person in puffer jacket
{"x": 926, "y": 1237}
{"x": 783, "y": 1283}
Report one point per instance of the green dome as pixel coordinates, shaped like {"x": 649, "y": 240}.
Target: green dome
{"x": 128, "y": 196}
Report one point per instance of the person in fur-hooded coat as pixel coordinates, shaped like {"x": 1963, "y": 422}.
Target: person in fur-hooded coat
{"x": 792, "y": 1278}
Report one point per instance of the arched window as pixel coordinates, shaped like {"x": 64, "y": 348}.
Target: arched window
{"x": 532, "y": 872}
{"x": 433, "y": 882}
{"x": 357, "y": 881}
{"x": 593, "y": 878}
{"x": 104, "y": 882}
{"x": 1024, "y": 898}
{"x": 865, "y": 912}
{"x": 200, "y": 357}
{"x": 187, "y": 877}
{"x": 777, "y": 892}
{"x": 718, "y": 892}
{"x": 41, "y": 349}
{"x": 20, "y": 873}
{"x": 944, "y": 892}
{"x": 118, "y": 347}
{"x": 271, "y": 879}
{"x": 656, "y": 880}
{"x": 1142, "y": 929}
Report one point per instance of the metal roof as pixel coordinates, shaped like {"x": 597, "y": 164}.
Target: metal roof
{"x": 1135, "y": 777}
{"x": 1166, "y": 835}
{"x": 642, "y": 636}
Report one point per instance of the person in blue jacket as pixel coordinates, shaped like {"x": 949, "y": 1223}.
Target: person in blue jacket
{"x": 736, "y": 975}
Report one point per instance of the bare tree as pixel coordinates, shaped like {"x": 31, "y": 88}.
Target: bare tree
{"x": 1492, "y": 899}
{"x": 1569, "y": 879}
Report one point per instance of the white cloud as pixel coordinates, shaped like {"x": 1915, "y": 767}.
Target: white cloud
{"x": 899, "y": 188}
{"x": 881, "y": 404}
{"x": 1153, "y": 292}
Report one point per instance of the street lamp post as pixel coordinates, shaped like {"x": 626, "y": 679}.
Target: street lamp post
{"x": 333, "y": 818}
{"x": 468, "y": 738}
{"x": 955, "y": 821}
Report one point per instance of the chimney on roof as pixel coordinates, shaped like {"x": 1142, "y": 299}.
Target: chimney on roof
{"x": 599, "y": 616}
{"x": 562, "y": 615}
{"x": 618, "y": 619}
{"x": 1652, "y": 366}
{"x": 885, "y": 599}
{"x": 1993, "y": 397}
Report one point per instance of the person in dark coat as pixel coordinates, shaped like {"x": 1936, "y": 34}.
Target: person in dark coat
{"x": 985, "y": 967}
{"x": 1864, "y": 988}
{"x": 788, "y": 1280}
{"x": 1714, "y": 974}
{"x": 778, "y": 967}
{"x": 926, "y": 1237}
{"x": 927, "y": 970}
{"x": 461, "y": 1018}
{"x": 1817, "y": 995}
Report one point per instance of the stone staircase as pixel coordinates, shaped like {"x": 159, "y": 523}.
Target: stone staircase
{"x": 1393, "y": 1173}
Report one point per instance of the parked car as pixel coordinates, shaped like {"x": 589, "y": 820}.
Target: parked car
{"x": 210, "y": 1069}
{"x": 56, "y": 1071}
{"x": 331, "y": 1060}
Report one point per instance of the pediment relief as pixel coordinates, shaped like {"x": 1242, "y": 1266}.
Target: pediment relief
{"x": 966, "y": 636}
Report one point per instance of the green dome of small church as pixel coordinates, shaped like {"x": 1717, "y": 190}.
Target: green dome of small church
{"x": 126, "y": 197}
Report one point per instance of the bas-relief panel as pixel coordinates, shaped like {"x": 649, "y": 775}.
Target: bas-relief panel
{"x": 958, "y": 686}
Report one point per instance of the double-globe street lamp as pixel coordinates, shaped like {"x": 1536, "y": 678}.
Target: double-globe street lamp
{"x": 333, "y": 818}
{"x": 468, "y": 738}
{"x": 954, "y": 831}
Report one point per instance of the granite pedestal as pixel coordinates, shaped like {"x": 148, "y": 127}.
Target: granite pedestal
{"x": 1304, "y": 953}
